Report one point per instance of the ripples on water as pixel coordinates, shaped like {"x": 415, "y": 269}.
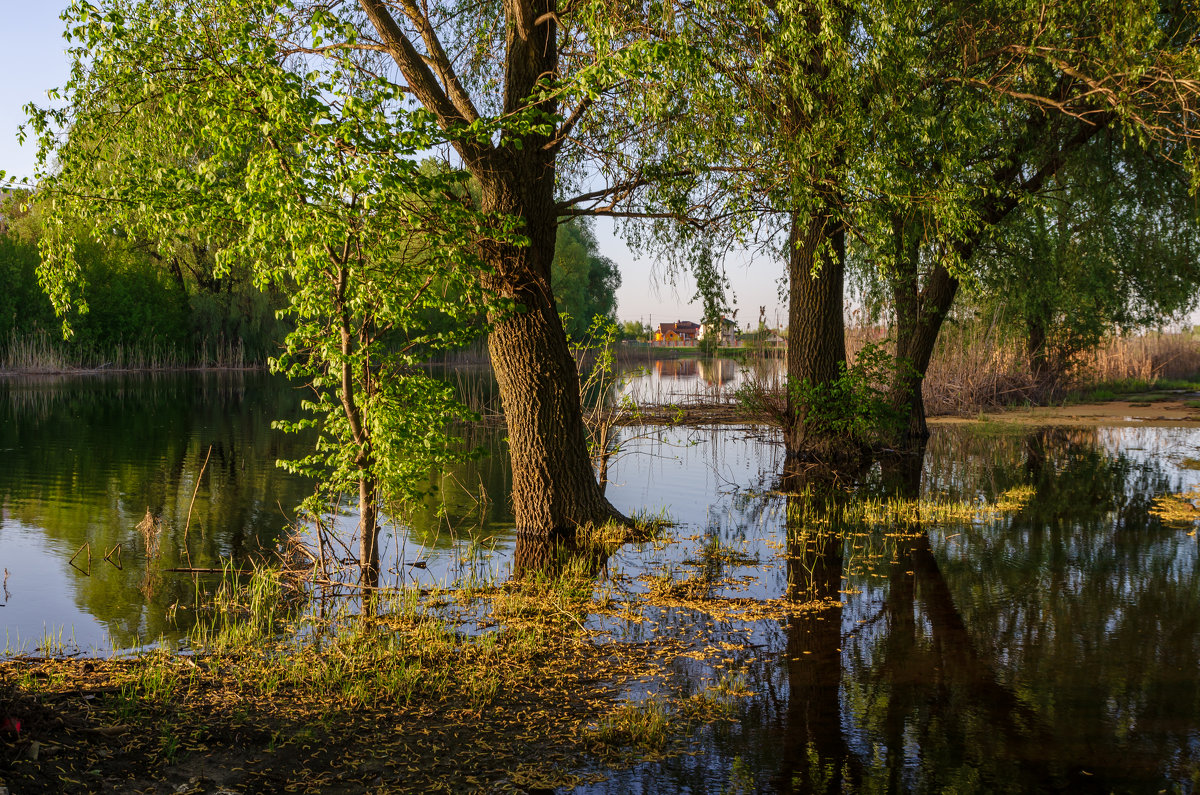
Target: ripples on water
{"x": 1055, "y": 648}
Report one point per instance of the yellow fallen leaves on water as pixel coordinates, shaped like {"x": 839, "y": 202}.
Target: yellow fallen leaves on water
{"x": 1177, "y": 509}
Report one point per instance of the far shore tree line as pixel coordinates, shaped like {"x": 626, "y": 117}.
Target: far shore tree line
{"x": 393, "y": 171}
{"x": 153, "y": 309}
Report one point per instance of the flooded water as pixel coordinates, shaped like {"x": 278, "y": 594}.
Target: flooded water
{"x": 82, "y": 462}
{"x": 1054, "y": 647}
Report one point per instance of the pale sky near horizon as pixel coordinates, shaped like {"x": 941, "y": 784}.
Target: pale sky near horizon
{"x": 33, "y": 61}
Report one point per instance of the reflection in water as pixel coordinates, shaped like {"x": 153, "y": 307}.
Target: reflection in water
{"x": 89, "y": 461}
{"x": 815, "y": 755}
{"x": 550, "y": 557}
{"x": 1054, "y": 648}
{"x": 717, "y": 371}
{"x": 675, "y": 368}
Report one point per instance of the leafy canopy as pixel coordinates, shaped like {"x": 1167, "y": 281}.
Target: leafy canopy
{"x": 191, "y": 119}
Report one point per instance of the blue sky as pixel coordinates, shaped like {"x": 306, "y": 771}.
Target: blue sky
{"x": 33, "y": 60}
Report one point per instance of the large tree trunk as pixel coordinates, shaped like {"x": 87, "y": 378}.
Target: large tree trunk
{"x": 920, "y": 312}
{"x": 816, "y": 346}
{"x": 554, "y": 486}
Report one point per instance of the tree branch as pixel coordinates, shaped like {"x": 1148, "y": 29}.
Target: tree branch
{"x": 421, "y": 79}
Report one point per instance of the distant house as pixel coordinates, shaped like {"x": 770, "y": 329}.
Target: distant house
{"x": 681, "y": 333}
{"x": 728, "y": 334}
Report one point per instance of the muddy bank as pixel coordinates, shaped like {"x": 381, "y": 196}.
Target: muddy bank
{"x": 183, "y": 725}
{"x": 1152, "y": 409}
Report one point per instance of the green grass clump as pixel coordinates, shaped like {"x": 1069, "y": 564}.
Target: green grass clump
{"x": 645, "y": 724}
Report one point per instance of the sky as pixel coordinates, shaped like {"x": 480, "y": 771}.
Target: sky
{"x": 33, "y": 60}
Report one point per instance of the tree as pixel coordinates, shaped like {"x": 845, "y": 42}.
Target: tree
{"x": 307, "y": 176}
{"x": 1114, "y": 245}
{"x": 635, "y": 331}
{"x": 584, "y": 281}
{"x": 1007, "y": 97}
{"x": 711, "y": 286}
{"x": 503, "y": 92}
{"x": 909, "y": 131}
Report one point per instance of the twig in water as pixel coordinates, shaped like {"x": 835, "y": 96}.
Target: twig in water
{"x": 88, "y": 546}
{"x": 188, "y": 524}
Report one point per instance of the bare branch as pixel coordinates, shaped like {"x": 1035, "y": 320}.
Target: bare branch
{"x": 421, "y": 79}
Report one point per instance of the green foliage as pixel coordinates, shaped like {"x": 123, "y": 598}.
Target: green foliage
{"x": 22, "y": 304}
{"x": 1115, "y": 246}
{"x": 711, "y": 286}
{"x": 635, "y": 330}
{"x": 134, "y": 304}
{"x": 304, "y": 174}
{"x": 584, "y": 281}
{"x": 855, "y": 405}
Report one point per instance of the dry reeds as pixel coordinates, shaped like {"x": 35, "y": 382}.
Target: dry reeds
{"x": 975, "y": 368}
{"x": 971, "y": 371}
{"x": 1145, "y": 357}
{"x": 41, "y": 352}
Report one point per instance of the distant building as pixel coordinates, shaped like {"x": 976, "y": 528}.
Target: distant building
{"x": 728, "y": 334}
{"x": 681, "y": 333}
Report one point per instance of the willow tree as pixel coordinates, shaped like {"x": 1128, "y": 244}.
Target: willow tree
{"x": 1005, "y": 96}
{"x": 497, "y": 90}
{"x": 766, "y": 105}
{"x": 905, "y": 131}
{"x": 1116, "y": 239}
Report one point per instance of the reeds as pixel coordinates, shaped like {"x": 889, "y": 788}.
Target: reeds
{"x": 40, "y": 352}
{"x": 975, "y": 369}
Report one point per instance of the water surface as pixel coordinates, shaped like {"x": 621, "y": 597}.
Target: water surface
{"x": 1052, "y": 648}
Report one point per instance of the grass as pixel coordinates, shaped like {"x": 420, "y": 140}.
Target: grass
{"x": 288, "y": 697}
{"x": 645, "y": 724}
{"x": 287, "y": 688}
{"x": 42, "y": 352}
{"x": 893, "y": 511}
{"x": 651, "y": 724}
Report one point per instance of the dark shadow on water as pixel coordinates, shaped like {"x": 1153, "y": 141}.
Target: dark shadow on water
{"x": 550, "y": 557}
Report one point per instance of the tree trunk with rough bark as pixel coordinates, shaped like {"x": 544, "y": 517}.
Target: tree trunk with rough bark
{"x": 554, "y": 485}
{"x": 920, "y": 311}
{"x": 915, "y": 341}
{"x": 816, "y": 347}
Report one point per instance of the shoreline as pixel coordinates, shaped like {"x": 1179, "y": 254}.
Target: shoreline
{"x": 103, "y": 370}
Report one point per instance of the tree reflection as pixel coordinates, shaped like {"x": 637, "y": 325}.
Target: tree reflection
{"x": 815, "y": 754}
{"x": 565, "y": 553}
{"x": 87, "y": 459}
